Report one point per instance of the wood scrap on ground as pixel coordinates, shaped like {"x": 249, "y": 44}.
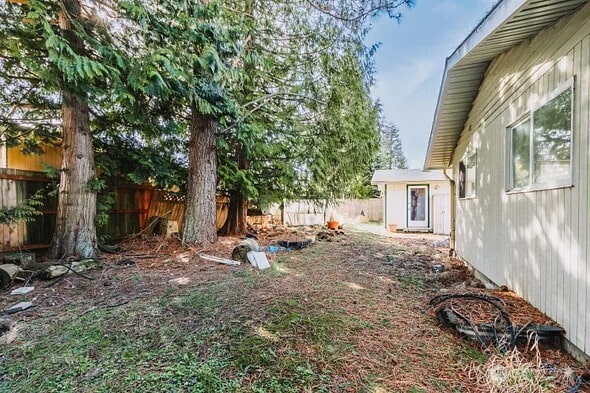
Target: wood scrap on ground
{"x": 224, "y": 261}
{"x": 8, "y": 272}
{"x": 58, "y": 270}
{"x": 258, "y": 260}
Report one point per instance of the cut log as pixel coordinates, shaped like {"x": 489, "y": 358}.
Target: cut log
{"x": 25, "y": 259}
{"x": 240, "y": 252}
{"x": 8, "y": 272}
{"x": 84, "y": 265}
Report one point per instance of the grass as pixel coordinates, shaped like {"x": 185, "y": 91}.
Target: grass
{"x": 324, "y": 319}
{"x": 182, "y": 343}
{"x": 512, "y": 373}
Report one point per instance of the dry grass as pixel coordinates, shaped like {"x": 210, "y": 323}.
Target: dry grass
{"x": 514, "y": 372}
{"x": 348, "y": 315}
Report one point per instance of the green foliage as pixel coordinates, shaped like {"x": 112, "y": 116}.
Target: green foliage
{"x": 40, "y": 59}
{"x": 307, "y": 128}
{"x": 390, "y": 155}
{"x": 288, "y": 82}
{"x": 26, "y": 211}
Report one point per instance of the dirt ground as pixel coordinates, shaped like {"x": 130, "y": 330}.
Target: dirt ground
{"x": 347, "y": 314}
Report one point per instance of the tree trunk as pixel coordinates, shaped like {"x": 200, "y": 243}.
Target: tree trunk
{"x": 237, "y": 224}
{"x": 75, "y": 232}
{"x": 200, "y": 209}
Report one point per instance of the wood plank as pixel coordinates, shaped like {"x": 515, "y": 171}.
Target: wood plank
{"x": 9, "y": 176}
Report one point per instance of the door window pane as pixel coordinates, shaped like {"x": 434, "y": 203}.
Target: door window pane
{"x": 418, "y": 204}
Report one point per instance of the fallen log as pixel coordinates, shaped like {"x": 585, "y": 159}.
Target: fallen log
{"x": 240, "y": 252}
{"x": 26, "y": 260}
{"x": 8, "y": 272}
{"x": 54, "y": 271}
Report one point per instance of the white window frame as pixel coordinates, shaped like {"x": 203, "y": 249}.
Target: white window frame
{"x": 464, "y": 160}
{"x": 530, "y": 116}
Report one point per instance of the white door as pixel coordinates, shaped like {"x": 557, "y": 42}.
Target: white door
{"x": 418, "y": 207}
{"x": 441, "y": 210}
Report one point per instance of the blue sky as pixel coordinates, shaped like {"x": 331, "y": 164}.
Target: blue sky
{"x": 411, "y": 60}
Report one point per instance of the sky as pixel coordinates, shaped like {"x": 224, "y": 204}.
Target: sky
{"x": 410, "y": 63}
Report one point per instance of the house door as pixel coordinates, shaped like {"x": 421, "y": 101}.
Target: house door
{"x": 418, "y": 207}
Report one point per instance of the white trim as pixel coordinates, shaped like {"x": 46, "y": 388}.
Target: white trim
{"x": 471, "y": 152}
{"x": 418, "y": 223}
{"x": 530, "y": 117}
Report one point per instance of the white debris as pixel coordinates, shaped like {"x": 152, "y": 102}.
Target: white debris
{"x": 258, "y": 259}
{"x": 22, "y": 290}
{"x": 213, "y": 258}
{"x": 22, "y": 306}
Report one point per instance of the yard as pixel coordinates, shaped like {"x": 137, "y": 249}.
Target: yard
{"x": 347, "y": 315}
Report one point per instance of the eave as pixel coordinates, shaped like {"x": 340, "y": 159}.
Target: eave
{"x": 507, "y": 25}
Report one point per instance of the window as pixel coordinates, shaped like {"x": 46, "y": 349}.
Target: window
{"x": 467, "y": 176}
{"x": 541, "y": 145}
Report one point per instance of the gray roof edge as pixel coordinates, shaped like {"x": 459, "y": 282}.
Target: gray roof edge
{"x": 494, "y": 19}
{"x": 383, "y": 176}
{"x": 435, "y": 117}
{"x": 499, "y": 13}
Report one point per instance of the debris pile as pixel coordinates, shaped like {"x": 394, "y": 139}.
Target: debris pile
{"x": 328, "y": 235}
{"x": 484, "y": 318}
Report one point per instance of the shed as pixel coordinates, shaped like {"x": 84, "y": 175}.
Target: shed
{"x": 414, "y": 200}
{"x": 512, "y": 123}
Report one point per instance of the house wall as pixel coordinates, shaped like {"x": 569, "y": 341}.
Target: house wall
{"x": 15, "y": 159}
{"x": 397, "y": 204}
{"x": 534, "y": 242}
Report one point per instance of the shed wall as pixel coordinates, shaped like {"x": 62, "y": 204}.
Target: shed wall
{"x": 397, "y": 204}
{"x": 534, "y": 242}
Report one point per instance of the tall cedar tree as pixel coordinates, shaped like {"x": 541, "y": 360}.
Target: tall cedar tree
{"x": 185, "y": 63}
{"x": 53, "y": 57}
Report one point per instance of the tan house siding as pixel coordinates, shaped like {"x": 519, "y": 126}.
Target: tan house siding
{"x": 534, "y": 242}
{"x": 51, "y": 157}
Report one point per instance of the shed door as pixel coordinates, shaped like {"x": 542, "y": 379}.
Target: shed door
{"x": 441, "y": 214}
{"x": 418, "y": 207}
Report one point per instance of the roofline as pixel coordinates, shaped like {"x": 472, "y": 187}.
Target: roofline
{"x": 495, "y": 17}
{"x": 499, "y": 13}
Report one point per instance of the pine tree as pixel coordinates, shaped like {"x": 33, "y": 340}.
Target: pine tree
{"x": 390, "y": 154}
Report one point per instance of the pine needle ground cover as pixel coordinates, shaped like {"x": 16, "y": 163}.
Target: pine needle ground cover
{"x": 343, "y": 316}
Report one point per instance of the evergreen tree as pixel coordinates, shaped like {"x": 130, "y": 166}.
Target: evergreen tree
{"x": 57, "y": 58}
{"x": 390, "y": 154}
{"x": 186, "y": 49}
{"x": 308, "y": 127}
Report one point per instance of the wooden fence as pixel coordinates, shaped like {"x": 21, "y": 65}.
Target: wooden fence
{"x": 171, "y": 206}
{"x": 132, "y": 209}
